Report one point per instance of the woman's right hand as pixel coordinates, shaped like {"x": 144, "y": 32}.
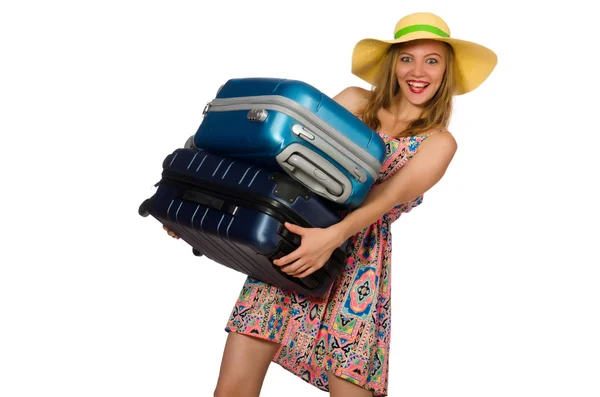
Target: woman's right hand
{"x": 170, "y": 233}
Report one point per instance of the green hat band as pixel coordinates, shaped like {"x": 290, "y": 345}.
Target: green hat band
{"x": 421, "y": 28}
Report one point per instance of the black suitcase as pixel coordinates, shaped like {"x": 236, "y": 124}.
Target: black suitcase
{"x": 233, "y": 213}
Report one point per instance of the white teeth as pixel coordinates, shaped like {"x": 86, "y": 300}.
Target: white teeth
{"x": 417, "y": 85}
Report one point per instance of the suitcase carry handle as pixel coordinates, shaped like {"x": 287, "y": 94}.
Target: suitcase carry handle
{"x": 318, "y": 173}
{"x": 309, "y": 282}
{"x": 288, "y": 244}
{"x": 209, "y": 201}
{"x": 316, "y": 179}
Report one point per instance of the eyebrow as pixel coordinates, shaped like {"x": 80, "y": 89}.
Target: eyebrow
{"x": 433, "y": 53}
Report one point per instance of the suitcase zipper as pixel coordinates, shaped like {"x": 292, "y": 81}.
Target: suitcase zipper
{"x": 301, "y": 114}
{"x": 259, "y": 202}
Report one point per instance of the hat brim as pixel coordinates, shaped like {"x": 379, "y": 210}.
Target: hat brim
{"x": 473, "y": 62}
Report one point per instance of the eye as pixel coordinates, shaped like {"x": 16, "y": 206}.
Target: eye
{"x": 433, "y": 60}
{"x": 405, "y": 59}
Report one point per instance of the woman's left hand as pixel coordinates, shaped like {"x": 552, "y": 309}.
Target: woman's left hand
{"x": 315, "y": 249}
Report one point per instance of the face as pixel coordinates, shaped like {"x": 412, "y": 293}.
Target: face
{"x": 420, "y": 69}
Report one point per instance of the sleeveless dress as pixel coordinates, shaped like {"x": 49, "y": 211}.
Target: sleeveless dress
{"x": 346, "y": 331}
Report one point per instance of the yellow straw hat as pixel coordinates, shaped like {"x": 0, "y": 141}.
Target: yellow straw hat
{"x": 473, "y": 62}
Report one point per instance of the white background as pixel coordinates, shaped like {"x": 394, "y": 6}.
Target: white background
{"x": 495, "y": 276}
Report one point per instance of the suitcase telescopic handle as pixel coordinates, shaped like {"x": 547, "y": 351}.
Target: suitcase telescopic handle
{"x": 315, "y": 179}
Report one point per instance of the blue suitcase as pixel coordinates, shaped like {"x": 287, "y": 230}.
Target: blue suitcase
{"x": 289, "y": 125}
{"x": 233, "y": 213}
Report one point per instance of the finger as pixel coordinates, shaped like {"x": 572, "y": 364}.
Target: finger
{"x": 301, "y": 269}
{"x": 294, "y": 267}
{"x": 307, "y": 272}
{"x": 306, "y": 263}
{"x": 294, "y": 228}
{"x": 313, "y": 268}
{"x": 289, "y": 258}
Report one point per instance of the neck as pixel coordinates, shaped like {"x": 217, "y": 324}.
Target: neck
{"x": 405, "y": 111}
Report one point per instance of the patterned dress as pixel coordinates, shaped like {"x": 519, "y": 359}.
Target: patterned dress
{"x": 346, "y": 331}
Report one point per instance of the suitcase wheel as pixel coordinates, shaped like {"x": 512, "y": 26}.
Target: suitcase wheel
{"x": 143, "y": 210}
{"x": 196, "y": 252}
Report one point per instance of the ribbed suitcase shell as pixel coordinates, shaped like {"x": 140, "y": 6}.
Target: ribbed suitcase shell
{"x": 289, "y": 125}
{"x": 233, "y": 213}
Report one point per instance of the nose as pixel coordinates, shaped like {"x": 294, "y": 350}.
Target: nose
{"x": 419, "y": 69}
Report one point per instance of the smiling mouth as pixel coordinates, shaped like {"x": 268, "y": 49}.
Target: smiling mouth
{"x": 417, "y": 86}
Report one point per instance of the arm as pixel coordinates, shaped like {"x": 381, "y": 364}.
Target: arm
{"x": 353, "y": 98}
{"x": 419, "y": 174}
{"x": 423, "y": 171}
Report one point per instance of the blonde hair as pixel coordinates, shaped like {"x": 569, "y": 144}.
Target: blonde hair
{"x": 436, "y": 112}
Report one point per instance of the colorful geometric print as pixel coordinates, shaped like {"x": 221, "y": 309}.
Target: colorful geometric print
{"x": 360, "y": 299}
{"x": 346, "y": 332}
{"x": 276, "y": 317}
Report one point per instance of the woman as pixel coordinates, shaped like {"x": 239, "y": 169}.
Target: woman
{"x": 340, "y": 342}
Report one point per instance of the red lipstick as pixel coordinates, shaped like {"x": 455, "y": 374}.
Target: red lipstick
{"x": 417, "y": 86}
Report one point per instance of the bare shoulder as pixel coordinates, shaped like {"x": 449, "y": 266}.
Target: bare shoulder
{"x": 353, "y": 98}
{"x": 441, "y": 142}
